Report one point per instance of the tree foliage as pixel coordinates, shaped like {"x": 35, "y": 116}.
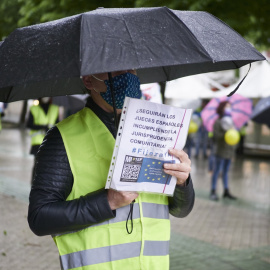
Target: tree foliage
{"x": 8, "y": 16}
{"x": 36, "y": 11}
{"x": 19, "y": 13}
{"x": 248, "y": 17}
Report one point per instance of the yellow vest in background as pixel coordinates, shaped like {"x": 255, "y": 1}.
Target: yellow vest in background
{"x": 107, "y": 245}
{"x": 41, "y": 118}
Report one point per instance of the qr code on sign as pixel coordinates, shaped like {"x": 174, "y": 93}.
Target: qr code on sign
{"x": 131, "y": 169}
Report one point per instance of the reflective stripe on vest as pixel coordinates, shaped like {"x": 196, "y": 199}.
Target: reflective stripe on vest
{"x": 114, "y": 253}
{"x": 41, "y": 118}
{"x": 107, "y": 245}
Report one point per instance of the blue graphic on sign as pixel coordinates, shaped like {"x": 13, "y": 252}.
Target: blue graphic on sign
{"x": 152, "y": 171}
{"x": 138, "y": 169}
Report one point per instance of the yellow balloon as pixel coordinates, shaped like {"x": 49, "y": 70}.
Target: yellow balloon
{"x": 193, "y": 127}
{"x": 232, "y": 137}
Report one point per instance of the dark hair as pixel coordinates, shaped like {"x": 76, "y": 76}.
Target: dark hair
{"x": 220, "y": 108}
{"x": 50, "y": 101}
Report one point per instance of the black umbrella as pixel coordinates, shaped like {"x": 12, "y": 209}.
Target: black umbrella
{"x": 261, "y": 112}
{"x": 161, "y": 44}
{"x": 72, "y": 103}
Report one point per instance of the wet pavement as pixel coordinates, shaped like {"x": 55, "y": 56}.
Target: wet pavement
{"x": 224, "y": 235}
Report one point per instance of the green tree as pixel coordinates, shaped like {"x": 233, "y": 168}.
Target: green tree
{"x": 19, "y": 13}
{"x": 8, "y": 16}
{"x": 37, "y": 11}
{"x": 248, "y": 17}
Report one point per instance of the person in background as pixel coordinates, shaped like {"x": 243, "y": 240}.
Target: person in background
{"x": 189, "y": 144}
{"x": 211, "y": 155}
{"x": 41, "y": 117}
{"x": 223, "y": 152}
{"x": 68, "y": 199}
{"x": 201, "y": 142}
{"x": 192, "y": 131}
{"x": 240, "y": 146}
{"x": 2, "y": 114}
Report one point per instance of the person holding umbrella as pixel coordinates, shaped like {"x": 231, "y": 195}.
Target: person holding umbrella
{"x": 68, "y": 199}
{"x": 223, "y": 152}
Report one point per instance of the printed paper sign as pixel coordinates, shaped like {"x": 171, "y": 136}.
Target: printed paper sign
{"x": 146, "y": 132}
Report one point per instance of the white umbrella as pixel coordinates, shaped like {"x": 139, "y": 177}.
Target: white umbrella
{"x": 191, "y": 87}
{"x": 193, "y": 104}
{"x": 255, "y": 85}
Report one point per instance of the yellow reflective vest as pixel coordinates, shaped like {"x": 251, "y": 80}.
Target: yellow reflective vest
{"x": 107, "y": 245}
{"x": 41, "y": 118}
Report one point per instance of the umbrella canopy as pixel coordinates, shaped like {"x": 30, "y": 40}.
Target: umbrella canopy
{"x": 193, "y": 104}
{"x": 241, "y": 111}
{"x": 162, "y": 44}
{"x": 72, "y": 103}
{"x": 261, "y": 112}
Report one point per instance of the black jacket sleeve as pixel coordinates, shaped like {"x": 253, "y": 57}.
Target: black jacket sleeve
{"x": 182, "y": 202}
{"x": 49, "y": 213}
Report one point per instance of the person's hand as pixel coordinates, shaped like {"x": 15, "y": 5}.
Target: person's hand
{"x": 179, "y": 170}
{"x": 119, "y": 199}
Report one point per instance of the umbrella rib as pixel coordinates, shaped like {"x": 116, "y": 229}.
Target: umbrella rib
{"x": 235, "y": 64}
{"x": 132, "y": 41}
{"x": 211, "y": 117}
{"x": 8, "y": 95}
{"x": 211, "y": 108}
{"x": 241, "y": 111}
{"x": 165, "y": 72}
{"x": 240, "y": 101}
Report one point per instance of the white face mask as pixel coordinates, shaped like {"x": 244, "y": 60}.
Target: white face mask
{"x": 45, "y": 99}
